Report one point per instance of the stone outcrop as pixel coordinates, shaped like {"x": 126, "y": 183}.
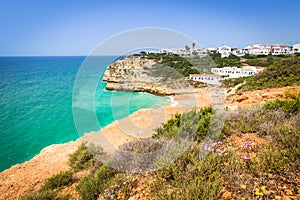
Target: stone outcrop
{"x": 138, "y": 74}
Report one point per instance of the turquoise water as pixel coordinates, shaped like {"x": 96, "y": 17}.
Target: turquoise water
{"x": 37, "y": 106}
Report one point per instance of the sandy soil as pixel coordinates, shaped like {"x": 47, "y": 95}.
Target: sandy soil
{"x": 29, "y": 176}
{"x": 25, "y": 178}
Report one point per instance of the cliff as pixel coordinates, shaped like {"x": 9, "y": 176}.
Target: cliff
{"x": 138, "y": 74}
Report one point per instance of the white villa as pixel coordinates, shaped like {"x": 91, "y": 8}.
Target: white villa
{"x": 235, "y": 72}
{"x": 200, "y": 52}
{"x": 184, "y": 53}
{"x": 261, "y": 49}
{"x": 178, "y": 51}
{"x": 225, "y": 51}
{"x": 296, "y": 48}
{"x": 240, "y": 52}
{"x": 212, "y": 79}
{"x": 225, "y": 73}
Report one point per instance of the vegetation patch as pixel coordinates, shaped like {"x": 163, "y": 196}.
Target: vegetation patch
{"x": 174, "y": 61}
{"x": 80, "y": 159}
{"x": 256, "y": 157}
{"x": 285, "y": 72}
{"x": 53, "y": 185}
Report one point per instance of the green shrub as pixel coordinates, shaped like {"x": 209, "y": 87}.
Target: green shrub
{"x": 92, "y": 185}
{"x": 193, "y": 123}
{"x": 53, "y": 185}
{"x": 242, "y": 121}
{"x": 80, "y": 159}
{"x": 290, "y": 105}
{"x": 273, "y": 160}
{"x": 175, "y": 62}
{"x": 88, "y": 187}
{"x": 42, "y": 195}
{"x": 283, "y": 72}
{"x": 138, "y": 156}
{"x": 59, "y": 180}
{"x": 190, "y": 177}
{"x": 231, "y": 82}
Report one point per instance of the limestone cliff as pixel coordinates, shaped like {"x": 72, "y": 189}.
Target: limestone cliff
{"x": 139, "y": 74}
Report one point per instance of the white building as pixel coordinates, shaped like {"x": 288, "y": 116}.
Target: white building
{"x": 219, "y": 74}
{"x": 280, "y": 49}
{"x": 212, "y": 49}
{"x": 258, "y": 49}
{"x": 261, "y": 49}
{"x": 178, "y": 51}
{"x": 200, "y": 52}
{"x": 184, "y": 53}
{"x": 212, "y": 79}
{"x": 296, "y": 48}
{"x": 240, "y": 51}
{"x": 225, "y": 51}
{"x": 235, "y": 72}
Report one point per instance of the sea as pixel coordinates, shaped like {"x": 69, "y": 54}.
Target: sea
{"x": 39, "y": 96}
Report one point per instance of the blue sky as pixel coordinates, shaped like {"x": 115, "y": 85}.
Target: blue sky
{"x": 72, "y": 27}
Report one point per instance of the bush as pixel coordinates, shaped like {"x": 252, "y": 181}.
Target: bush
{"x": 53, "y": 185}
{"x": 139, "y": 155}
{"x": 193, "y": 123}
{"x": 242, "y": 121}
{"x": 231, "y": 82}
{"x": 80, "y": 159}
{"x": 273, "y": 160}
{"x": 290, "y": 105}
{"x": 59, "y": 180}
{"x": 42, "y": 195}
{"x": 92, "y": 185}
{"x": 284, "y": 72}
{"x": 190, "y": 177}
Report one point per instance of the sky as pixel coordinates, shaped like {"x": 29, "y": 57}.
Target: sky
{"x": 73, "y": 27}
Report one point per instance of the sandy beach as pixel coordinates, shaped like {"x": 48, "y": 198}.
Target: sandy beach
{"x": 29, "y": 176}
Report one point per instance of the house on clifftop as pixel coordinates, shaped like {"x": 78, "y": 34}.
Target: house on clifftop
{"x": 219, "y": 74}
{"x": 212, "y": 79}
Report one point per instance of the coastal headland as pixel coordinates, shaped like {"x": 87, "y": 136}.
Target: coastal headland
{"x": 133, "y": 74}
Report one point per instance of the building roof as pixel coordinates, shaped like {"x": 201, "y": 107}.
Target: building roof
{"x": 248, "y": 70}
{"x": 204, "y": 75}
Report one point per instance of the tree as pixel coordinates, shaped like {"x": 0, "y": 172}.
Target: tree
{"x": 193, "y": 46}
{"x": 187, "y": 48}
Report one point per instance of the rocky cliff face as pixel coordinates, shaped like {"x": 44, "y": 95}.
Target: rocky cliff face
{"x": 134, "y": 73}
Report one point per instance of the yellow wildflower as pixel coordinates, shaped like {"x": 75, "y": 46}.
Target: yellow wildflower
{"x": 255, "y": 183}
{"x": 257, "y": 192}
{"x": 263, "y": 188}
{"x": 244, "y": 186}
{"x": 261, "y": 194}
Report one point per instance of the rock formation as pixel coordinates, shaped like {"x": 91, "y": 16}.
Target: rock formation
{"x": 139, "y": 74}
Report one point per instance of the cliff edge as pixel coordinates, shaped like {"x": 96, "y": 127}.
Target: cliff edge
{"x": 140, "y": 74}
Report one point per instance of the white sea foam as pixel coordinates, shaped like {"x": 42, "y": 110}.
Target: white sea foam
{"x": 174, "y": 103}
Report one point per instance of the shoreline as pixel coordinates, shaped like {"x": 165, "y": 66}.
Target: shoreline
{"x": 29, "y": 176}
